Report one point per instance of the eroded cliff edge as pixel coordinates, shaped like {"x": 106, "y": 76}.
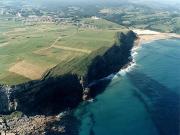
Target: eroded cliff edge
{"x": 66, "y": 85}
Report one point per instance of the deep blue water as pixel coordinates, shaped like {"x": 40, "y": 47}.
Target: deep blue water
{"x": 143, "y": 101}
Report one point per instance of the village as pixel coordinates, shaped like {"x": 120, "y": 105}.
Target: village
{"x": 31, "y": 16}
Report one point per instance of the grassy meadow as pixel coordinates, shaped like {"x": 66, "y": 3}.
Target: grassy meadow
{"x": 26, "y": 52}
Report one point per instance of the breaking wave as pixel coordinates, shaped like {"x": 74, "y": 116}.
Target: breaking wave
{"x": 131, "y": 65}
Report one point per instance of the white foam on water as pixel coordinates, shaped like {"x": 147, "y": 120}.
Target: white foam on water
{"x": 134, "y": 54}
{"x": 91, "y": 100}
{"x": 109, "y": 77}
{"x": 122, "y": 72}
{"x": 130, "y": 67}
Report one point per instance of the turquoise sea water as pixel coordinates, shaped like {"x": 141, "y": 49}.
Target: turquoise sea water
{"x": 143, "y": 101}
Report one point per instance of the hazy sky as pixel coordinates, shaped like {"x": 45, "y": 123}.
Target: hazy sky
{"x": 170, "y": 2}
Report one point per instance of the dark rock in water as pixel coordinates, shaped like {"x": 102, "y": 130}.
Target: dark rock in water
{"x": 69, "y": 126}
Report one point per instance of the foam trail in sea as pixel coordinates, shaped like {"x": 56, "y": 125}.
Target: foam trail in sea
{"x": 131, "y": 65}
{"x": 123, "y": 71}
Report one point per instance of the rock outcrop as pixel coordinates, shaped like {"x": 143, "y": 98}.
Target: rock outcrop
{"x": 6, "y": 104}
{"x": 34, "y": 125}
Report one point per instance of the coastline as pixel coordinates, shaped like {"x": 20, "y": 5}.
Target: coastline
{"x": 137, "y": 43}
{"x": 146, "y": 36}
{"x": 73, "y": 97}
{"x": 137, "y": 84}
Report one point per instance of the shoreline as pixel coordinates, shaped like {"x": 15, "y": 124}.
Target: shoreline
{"x": 128, "y": 67}
{"x": 20, "y": 93}
{"x": 146, "y": 36}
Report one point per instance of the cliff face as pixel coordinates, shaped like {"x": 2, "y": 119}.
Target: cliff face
{"x": 4, "y": 105}
{"x": 99, "y": 63}
{"x": 64, "y": 85}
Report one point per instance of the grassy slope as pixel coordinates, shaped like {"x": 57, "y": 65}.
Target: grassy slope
{"x": 77, "y": 66}
{"x": 92, "y": 39}
{"x": 80, "y": 66}
{"x": 88, "y": 39}
{"x": 102, "y": 23}
{"x": 30, "y": 44}
{"x": 20, "y": 46}
{"x": 64, "y": 83}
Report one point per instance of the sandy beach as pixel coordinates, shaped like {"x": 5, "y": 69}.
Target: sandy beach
{"x": 146, "y": 36}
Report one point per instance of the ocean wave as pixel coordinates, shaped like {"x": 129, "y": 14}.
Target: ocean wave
{"x": 123, "y": 71}
{"x": 129, "y": 68}
{"x": 131, "y": 65}
{"x": 134, "y": 54}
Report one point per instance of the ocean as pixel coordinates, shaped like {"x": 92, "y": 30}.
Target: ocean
{"x": 143, "y": 99}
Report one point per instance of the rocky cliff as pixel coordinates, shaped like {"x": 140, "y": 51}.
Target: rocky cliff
{"x": 65, "y": 85}
{"x": 4, "y": 105}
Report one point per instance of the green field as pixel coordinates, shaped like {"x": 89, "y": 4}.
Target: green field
{"x": 26, "y": 52}
{"x": 101, "y": 23}
{"x": 144, "y": 17}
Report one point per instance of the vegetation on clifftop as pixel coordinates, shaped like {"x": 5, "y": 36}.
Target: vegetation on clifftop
{"x": 26, "y": 52}
{"x": 123, "y": 42}
{"x": 63, "y": 85}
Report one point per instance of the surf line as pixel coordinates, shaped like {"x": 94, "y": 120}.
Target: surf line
{"x": 127, "y": 68}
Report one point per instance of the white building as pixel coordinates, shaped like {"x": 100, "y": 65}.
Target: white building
{"x": 18, "y": 15}
{"x": 95, "y": 18}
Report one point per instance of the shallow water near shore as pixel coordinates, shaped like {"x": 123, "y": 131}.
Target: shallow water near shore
{"x": 142, "y": 101}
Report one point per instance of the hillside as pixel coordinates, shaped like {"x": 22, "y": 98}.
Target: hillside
{"x": 28, "y": 51}
{"x": 81, "y": 67}
{"x": 64, "y": 84}
{"x": 102, "y": 58}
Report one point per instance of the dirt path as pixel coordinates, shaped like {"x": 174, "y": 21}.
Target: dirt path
{"x": 53, "y": 45}
{"x": 4, "y": 44}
